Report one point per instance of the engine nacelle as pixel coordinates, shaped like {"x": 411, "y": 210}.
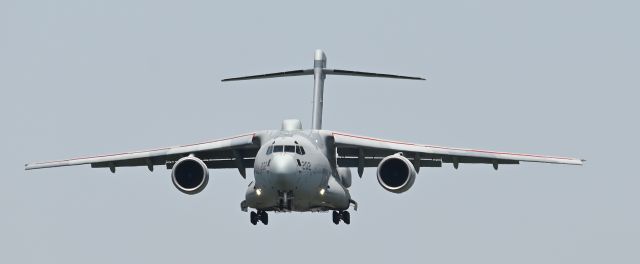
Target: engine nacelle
{"x": 396, "y": 173}
{"x": 344, "y": 176}
{"x": 190, "y": 175}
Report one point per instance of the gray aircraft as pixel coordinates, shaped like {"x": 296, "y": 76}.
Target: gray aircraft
{"x": 298, "y": 170}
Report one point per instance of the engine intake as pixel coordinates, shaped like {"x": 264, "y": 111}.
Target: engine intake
{"x": 190, "y": 175}
{"x": 396, "y": 173}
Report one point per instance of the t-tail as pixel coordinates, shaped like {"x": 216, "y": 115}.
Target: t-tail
{"x": 319, "y": 72}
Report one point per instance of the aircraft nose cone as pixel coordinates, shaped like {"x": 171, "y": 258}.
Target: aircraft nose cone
{"x": 283, "y": 169}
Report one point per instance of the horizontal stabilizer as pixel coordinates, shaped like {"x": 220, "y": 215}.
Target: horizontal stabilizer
{"x": 319, "y": 73}
{"x": 324, "y": 71}
{"x": 368, "y": 74}
{"x": 272, "y": 75}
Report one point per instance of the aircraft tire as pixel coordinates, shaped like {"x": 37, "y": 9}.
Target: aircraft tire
{"x": 264, "y": 217}
{"x": 336, "y": 217}
{"x": 253, "y": 217}
{"x": 346, "y": 217}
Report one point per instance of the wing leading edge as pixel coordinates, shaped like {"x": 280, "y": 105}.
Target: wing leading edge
{"x": 369, "y": 150}
{"x": 216, "y": 153}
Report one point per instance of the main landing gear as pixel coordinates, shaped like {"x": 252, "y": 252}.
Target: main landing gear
{"x": 341, "y": 215}
{"x": 261, "y": 216}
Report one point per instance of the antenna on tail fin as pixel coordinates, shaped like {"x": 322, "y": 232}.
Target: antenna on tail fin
{"x": 319, "y": 72}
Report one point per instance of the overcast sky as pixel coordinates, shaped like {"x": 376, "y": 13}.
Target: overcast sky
{"x": 547, "y": 77}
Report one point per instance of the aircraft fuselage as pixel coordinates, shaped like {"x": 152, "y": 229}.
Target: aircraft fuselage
{"x": 296, "y": 171}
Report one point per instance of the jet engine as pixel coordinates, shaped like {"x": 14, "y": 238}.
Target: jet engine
{"x": 344, "y": 177}
{"x": 396, "y": 173}
{"x": 190, "y": 175}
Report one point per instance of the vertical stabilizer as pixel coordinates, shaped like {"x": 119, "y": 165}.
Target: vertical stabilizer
{"x": 319, "y": 64}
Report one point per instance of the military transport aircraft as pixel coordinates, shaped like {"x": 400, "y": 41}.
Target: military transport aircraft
{"x": 298, "y": 170}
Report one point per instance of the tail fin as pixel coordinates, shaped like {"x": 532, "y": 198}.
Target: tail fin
{"x": 319, "y": 73}
{"x": 272, "y": 75}
{"x": 369, "y": 74}
{"x": 325, "y": 71}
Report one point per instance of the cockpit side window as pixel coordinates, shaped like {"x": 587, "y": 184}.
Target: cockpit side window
{"x": 277, "y": 148}
{"x": 289, "y": 148}
{"x": 269, "y": 150}
{"x": 300, "y": 150}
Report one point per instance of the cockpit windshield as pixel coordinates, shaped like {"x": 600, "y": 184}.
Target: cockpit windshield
{"x": 286, "y": 148}
{"x": 277, "y": 148}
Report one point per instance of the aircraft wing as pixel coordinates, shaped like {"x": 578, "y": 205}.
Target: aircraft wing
{"x": 233, "y": 152}
{"x": 360, "y": 151}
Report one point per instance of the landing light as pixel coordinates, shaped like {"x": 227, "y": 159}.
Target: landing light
{"x": 258, "y": 192}
{"x": 322, "y": 191}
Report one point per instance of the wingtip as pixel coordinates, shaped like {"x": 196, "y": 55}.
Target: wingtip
{"x": 31, "y": 166}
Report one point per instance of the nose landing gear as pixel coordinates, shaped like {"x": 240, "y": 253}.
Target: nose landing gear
{"x": 285, "y": 202}
{"x": 341, "y": 215}
{"x": 261, "y": 216}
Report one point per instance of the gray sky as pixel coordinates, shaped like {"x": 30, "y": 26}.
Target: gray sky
{"x": 547, "y": 77}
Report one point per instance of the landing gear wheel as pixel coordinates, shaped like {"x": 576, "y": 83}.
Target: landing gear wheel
{"x": 336, "y": 217}
{"x": 264, "y": 217}
{"x": 346, "y": 217}
{"x": 253, "y": 217}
